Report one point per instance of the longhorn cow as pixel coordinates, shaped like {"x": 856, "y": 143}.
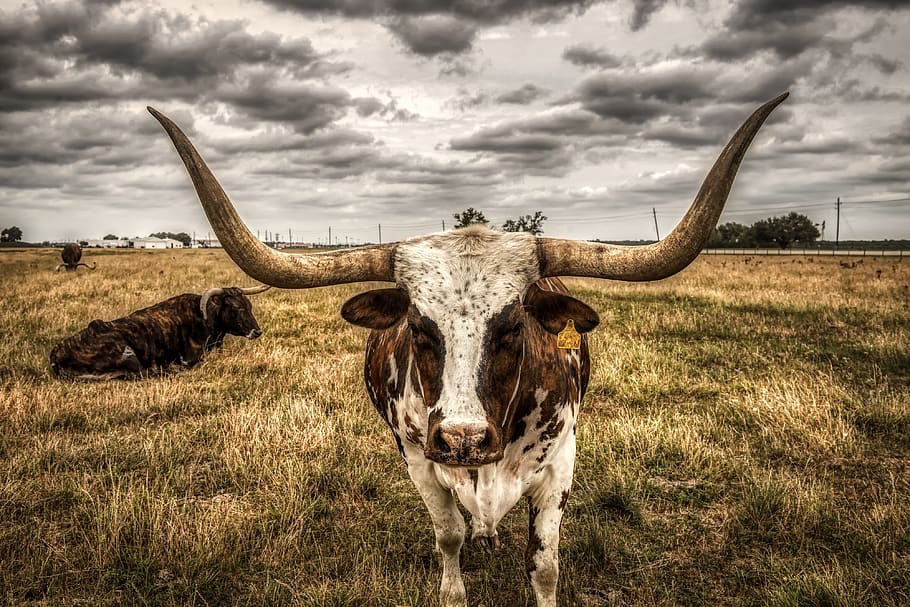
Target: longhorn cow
{"x": 179, "y": 330}
{"x": 71, "y": 254}
{"x": 464, "y": 360}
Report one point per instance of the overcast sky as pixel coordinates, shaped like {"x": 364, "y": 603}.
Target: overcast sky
{"x": 353, "y": 113}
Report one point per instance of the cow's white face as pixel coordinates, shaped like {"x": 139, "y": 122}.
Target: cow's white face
{"x": 457, "y": 284}
{"x": 461, "y": 294}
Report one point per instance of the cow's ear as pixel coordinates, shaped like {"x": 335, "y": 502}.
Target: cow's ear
{"x": 378, "y": 309}
{"x": 553, "y": 310}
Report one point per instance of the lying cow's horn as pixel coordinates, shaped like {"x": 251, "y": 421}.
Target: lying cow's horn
{"x": 204, "y": 300}
{"x": 255, "y": 290}
{"x": 662, "y": 259}
{"x": 261, "y": 262}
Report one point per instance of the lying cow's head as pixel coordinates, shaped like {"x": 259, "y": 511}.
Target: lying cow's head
{"x": 470, "y": 311}
{"x": 229, "y": 311}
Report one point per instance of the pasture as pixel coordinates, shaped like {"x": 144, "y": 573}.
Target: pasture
{"x": 745, "y": 440}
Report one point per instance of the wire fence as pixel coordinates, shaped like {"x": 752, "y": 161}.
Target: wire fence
{"x": 814, "y": 252}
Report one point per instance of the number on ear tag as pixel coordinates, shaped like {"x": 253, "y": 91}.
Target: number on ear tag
{"x": 569, "y": 338}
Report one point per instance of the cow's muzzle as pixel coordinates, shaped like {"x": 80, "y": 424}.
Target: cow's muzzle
{"x": 253, "y": 334}
{"x": 464, "y": 444}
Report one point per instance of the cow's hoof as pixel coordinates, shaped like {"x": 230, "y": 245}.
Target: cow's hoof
{"x": 487, "y": 543}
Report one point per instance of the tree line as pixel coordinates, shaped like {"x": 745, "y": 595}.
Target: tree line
{"x": 784, "y": 231}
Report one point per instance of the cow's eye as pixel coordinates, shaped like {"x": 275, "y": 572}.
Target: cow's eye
{"x": 422, "y": 336}
{"x": 509, "y": 334}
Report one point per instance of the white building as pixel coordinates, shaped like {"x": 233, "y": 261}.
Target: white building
{"x": 106, "y": 244}
{"x": 152, "y": 242}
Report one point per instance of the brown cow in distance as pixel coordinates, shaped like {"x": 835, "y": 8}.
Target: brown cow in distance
{"x": 71, "y": 255}
{"x": 177, "y": 331}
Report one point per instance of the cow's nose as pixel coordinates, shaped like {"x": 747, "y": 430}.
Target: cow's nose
{"x": 254, "y": 334}
{"x": 464, "y": 444}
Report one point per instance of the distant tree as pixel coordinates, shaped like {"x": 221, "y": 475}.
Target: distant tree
{"x": 731, "y": 234}
{"x": 784, "y": 231}
{"x": 11, "y": 234}
{"x": 469, "y": 216}
{"x": 183, "y": 237}
{"x": 796, "y": 228}
{"x": 526, "y": 223}
{"x": 110, "y": 237}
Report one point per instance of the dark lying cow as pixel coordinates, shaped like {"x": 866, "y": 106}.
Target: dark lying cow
{"x": 179, "y": 330}
{"x": 71, "y": 254}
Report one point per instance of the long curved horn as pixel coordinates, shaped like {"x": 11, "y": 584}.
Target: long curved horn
{"x": 90, "y": 267}
{"x": 255, "y": 290}
{"x": 560, "y": 257}
{"x": 60, "y": 266}
{"x": 261, "y": 262}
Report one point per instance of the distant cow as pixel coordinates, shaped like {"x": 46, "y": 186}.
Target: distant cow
{"x": 179, "y": 330}
{"x": 71, "y": 255}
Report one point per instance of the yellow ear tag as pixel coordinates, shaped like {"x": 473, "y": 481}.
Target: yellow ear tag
{"x": 569, "y": 338}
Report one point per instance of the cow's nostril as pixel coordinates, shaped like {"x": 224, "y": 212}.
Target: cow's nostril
{"x": 485, "y": 441}
{"x": 441, "y": 443}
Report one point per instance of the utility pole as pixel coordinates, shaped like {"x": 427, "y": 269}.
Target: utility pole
{"x": 330, "y": 235}
{"x": 380, "y": 233}
{"x": 443, "y": 225}
{"x": 837, "y": 226}
{"x": 656, "y": 229}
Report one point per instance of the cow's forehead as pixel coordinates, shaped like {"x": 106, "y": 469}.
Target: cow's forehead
{"x": 473, "y": 272}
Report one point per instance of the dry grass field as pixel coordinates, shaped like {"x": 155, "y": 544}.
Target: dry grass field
{"x": 745, "y": 441}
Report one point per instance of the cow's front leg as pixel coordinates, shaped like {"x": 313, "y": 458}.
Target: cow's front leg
{"x": 545, "y": 508}
{"x": 449, "y": 528}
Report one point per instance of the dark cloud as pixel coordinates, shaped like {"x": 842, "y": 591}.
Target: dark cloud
{"x": 790, "y": 29}
{"x": 466, "y": 100}
{"x": 900, "y": 136}
{"x": 73, "y": 53}
{"x": 371, "y": 106}
{"x": 283, "y": 142}
{"x": 493, "y": 12}
{"x": 755, "y": 13}
{"x": 426, "y": 172}
{"x": 68, "y": 138}
{"x": 434, "y": 34}
{"x": 304, "y": 106}
{"x": 416, "y": 22}
{"x": 584, "y": 55}
{"x": 548, "y": 143}
{"x": 526, "y": 94}
{"x": 642, "y": 11}
{"x": 784, "y": 40}
{"x": 639, "y": 97}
